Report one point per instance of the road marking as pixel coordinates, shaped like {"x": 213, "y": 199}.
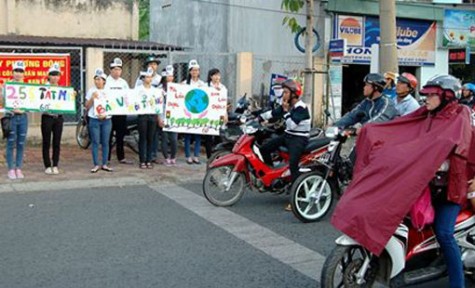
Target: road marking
{"x": 300, "y": 258}
{"x": 70, "y": 184}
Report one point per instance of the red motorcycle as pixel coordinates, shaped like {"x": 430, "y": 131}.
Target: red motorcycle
{"x": 230, "y": 174}
{"x": 410, "y": 257}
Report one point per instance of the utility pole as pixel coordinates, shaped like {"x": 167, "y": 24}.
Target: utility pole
{"x": 309, "y": 43}
{"x": 387, "y": 46}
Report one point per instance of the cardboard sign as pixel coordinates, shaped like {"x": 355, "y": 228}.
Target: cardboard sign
{"x": 37, "y": 66}
{"x": 130, "y": 102}
{"x": 39, "y": 98}
{"x": 195, "y": 110}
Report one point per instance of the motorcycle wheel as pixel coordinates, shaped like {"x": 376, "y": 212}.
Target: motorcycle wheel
{"x": 341, "y": 266}
{"x": 215, "y": 155}
{"x": 82, "y": 134}
{"x": 214, "y": 186}
{"x": 303, "y": 192}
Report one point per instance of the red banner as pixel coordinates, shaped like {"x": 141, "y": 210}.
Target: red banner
{"x": 37, "y": 66}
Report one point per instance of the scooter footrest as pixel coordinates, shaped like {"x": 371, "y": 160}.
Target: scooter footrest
{"x": 423, "y": 274}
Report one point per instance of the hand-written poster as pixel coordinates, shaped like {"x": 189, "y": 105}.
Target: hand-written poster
{"x": 39, "y": 98}
{"x": 195, "y": 110}
{"x": 130, "y": 102}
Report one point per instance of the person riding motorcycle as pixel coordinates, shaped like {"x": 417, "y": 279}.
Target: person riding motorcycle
{"x": 468, "y": 95}
{"x": 405, "y": 102}
{"x": 376, "y": 107}
{"x": 297, "y": 132}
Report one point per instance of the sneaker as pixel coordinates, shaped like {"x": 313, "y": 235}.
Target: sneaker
{"x": 55, "y": 170}
{"x": 11, "y": 174}
{"x": 49, "y": 171}
{"x": 19, "y": 174}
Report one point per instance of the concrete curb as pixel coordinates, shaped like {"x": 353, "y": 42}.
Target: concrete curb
{"x": 71, "y": 184}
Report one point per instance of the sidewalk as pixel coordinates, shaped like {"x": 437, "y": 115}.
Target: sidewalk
{"x": 75, "y": 164}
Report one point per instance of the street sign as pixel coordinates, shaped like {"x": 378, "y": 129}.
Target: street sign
{"x": 337, "y": 48}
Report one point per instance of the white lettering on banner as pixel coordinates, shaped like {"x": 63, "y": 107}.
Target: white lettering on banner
{"x": 40, "y": 98}
{"x": 195, "y": 110}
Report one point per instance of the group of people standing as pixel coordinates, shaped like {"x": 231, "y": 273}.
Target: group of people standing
{"x": 150, "y": 126}
{"x": 102, "y": 127}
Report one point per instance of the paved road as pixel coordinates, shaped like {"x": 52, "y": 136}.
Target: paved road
{"x": 141, "y": 234}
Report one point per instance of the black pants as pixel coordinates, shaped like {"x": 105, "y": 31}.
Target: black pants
{"x": 119, "y": 125}
{"x": 210, "y": 142}
{"x": 147, "y": 125}
{"x": 51, "y": 125}
{"x": 295, "y": 145}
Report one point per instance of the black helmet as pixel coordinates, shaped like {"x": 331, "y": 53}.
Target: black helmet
{"x": 293, "y": 86}
{"x": 376, "y": 80}
{"x": 447, "y": 83}
{"x": 152, "y": 58}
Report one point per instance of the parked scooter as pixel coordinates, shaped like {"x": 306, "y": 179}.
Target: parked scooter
{"x": 230, "y": 174}
{"x": 131, "y": 138}
{"x": 410, "y": 257}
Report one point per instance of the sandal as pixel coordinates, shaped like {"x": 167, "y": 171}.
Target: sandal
{"x": 143, "y": 166}
{"x": 189, "y": 161}
{"x": 149, "y": 166}
{"x": 107, "y": 168}
{"x": 196, "y": 161}
{"x": 95, "y": 169}
{"x": 125, "y": 161}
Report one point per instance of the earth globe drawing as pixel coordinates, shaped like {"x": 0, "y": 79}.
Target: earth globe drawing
{"x": 196, "y": 101}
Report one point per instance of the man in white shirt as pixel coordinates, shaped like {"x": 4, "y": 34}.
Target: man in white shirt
{"x": 119, "y": 122}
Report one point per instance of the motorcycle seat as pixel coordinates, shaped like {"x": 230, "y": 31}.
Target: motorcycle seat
{"x": 313, "y": 144}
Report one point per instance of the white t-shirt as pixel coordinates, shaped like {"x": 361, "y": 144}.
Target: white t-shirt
{"x": 151, "y": 93}
{"x": 116, "y": 84}
{"x": 198, "y": 83}
{"x": 155, "y": 81}
{"x": 89, "y": 94}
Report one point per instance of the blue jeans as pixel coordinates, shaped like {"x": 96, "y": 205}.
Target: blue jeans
{"x": 17, "y": 139}
{"x": 196, "y": 151}
{"x": 169, "y": 140}
{"x": 444, "y": 225}
{"x": 100, "y": 131}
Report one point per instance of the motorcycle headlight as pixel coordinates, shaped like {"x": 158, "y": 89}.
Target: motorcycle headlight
{"x": 331, "y": 132}
{"x": 243, "y": 119}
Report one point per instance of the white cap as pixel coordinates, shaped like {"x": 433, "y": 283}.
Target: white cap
{"x": 19, "y": 65}
{"x": 164, "y": 73}
{"x": 169, "y": 70}
{"x": 116, "y": 63}
{"x": 193, "y": 64}
{"x": 54, "y": 68}
{"x": 100, "y": 73}
{"x": 149, "y": 72}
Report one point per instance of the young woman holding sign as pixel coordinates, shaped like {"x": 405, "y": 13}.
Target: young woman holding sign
{"x": 52, "y": 124}
{"x": 100, "y": 124}
{"x": 214, "y": 81}
{"x": 169, "y": 139}
{"x": 147, "y": 123}
{"x": 193, "y": 79}
{"x": 19, "y": 128}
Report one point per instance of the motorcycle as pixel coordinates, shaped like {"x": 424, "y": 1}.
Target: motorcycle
{"x": 313, "y": 193}
{"x": 131, "y": 138}
{"x": 411, "y": 257}
{"x": 228, "y": 175}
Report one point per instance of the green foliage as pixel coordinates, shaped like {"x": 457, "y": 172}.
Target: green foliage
{"x": 144, "y": 19}
{"x": 293, "y": 6}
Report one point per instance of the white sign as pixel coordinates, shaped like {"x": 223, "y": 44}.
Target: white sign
{"x": 195, "y": 110}
{"x": 130, "y": 102}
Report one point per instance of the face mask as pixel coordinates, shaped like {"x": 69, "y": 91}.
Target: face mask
{"x": 278, "y": 92}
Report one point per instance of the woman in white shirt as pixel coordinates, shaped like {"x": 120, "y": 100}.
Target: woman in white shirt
{"x": 214, "y": 81}
{"x": 100, "y": 124}
{"x": 193, "y": 79}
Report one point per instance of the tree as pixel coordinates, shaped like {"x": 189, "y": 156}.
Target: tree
{"x": 144, "y": 19}
{"x": 293, "y": 6}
